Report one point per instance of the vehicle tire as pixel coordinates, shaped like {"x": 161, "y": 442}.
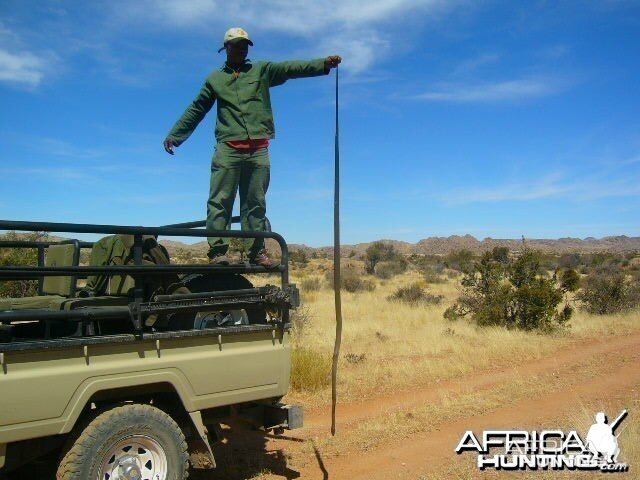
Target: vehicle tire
{"x": 132, "y": 441}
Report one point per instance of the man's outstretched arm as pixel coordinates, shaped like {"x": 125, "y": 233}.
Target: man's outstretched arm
{"x": 280, "y": 72}
{"x": 190, "y": 119}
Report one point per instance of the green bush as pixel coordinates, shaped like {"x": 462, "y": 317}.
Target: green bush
{"x": 386, "y": 270}
{"x": 383, "y": 261}
{"x": 298, "y": 256}
{"x": 512, "y": 293}
{"x": 430, "y": 275}
{"x": 415, "y": 295}
{"x": 378, "y": 252}
{"x": 607, "y": 290}
{"x": 570, "y": 260}
{"x": 434, "y": 263}
{"x": 462, "y": 260}
{"x": 569, "y": 280}
{"x": 501, "y": 254}
{"x": 20, "y": 257}
{"x": 354, "y": 284}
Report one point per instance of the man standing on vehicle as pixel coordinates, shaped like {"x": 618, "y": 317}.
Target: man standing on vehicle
{"x": 244, "y": 127}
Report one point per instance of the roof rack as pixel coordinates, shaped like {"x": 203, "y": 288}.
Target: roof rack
{"x": 137, "y": 270}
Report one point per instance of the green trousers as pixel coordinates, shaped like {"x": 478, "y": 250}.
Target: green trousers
{"x": 248, "y": 172}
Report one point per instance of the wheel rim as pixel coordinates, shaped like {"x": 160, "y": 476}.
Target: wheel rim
{"x": 137, "y": 457}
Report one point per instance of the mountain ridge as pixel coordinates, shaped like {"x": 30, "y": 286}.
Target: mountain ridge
{"x": 445, "y": 245}
{"x": 452, "y": 243}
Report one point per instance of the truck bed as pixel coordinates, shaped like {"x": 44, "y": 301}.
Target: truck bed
{"x": 196, "y": 346}
{"x": 45, "y": 384}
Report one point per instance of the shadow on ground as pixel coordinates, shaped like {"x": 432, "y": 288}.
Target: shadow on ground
{"x": 242, "y": 454}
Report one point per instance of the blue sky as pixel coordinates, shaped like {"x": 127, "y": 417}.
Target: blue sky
{"x": 494, "y": 118}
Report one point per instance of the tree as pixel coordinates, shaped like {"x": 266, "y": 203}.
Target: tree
{"x": 378, "y": 252}
{"x": 20, "y": 257}
{"x": 570, "y": 260}
{"x": 607, "y": 290}
{"x": 500, "y": 254}
{"x": 512, "y": 294}
{"x": 299, "y": 256}
{"x": 461, "y": 260}
{"x": 569, "y": 280}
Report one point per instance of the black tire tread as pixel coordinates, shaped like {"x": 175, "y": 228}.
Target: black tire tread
{"x": 70, "y": 466}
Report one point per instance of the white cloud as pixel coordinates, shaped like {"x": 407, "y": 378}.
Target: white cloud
{"x": 174, "y": 12}
{"x": 507, "y": 90}
{"x": 49, "y": 173}
{"x": 473, "y": 64}
{"x": 51, "y": 146}
{"x": 348, "y": 27}
{"x": 129, "y": 144}
{"x": 292, "y": 16}
{"x": 86, "y": 173}
{"x": 555, "y": 52}
{"x": 20, "y": 65}
{"x": 359, "y": 50}
{"x": 553, "y": 187}
{"x": 305, "y": 17}
{"x": 509, "y": 192}
{"x": 23, "y": 68}
{"x": 61, "y": 148}
{"x": 163, "y": 198}
{"x": 309, "y": 194}
{"x": 629, "y": 161}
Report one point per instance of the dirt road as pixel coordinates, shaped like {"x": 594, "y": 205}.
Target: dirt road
{"x": 598, "y": 373}
{"x": 413, "y": 434}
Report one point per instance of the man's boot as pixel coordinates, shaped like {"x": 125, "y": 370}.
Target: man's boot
{"x": 218, "y": 259}
{"x": 261, "y": 259}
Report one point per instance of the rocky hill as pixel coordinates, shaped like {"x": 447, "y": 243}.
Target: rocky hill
{"x": 444, "y": 245}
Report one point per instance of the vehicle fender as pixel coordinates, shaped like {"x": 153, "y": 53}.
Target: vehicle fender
{"x": 88, "y": 388}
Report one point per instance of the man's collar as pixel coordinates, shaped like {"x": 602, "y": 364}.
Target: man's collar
{"x": 226, "y": 66}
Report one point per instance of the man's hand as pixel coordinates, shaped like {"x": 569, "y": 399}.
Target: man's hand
{"x": 169, "y": 145}
{"x": 332, "y": 61}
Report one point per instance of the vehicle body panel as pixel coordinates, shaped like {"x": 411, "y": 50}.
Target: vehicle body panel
{"x": 43, "y": 392}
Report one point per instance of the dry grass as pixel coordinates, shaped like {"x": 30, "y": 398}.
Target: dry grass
{"x": 310, "y": 370}
{"x": 629, "y": 440}
{"x": 390, "y": 347}
{"x": 405, "y": 346}
{"x": 401, "y": 423}
{"x": 586, "y": 325}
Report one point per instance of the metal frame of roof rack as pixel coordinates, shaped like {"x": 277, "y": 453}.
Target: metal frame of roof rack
{"x": 137, "y": 270}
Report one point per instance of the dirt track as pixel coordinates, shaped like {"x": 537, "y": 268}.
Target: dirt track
{"x": 598, "y": 373}
{"x": 610, "y": 366}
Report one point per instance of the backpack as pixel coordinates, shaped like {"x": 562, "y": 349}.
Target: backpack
{"x": 118, "y": 250}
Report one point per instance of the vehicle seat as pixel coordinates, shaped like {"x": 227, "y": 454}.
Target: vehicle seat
{"x": 55, "y": 290}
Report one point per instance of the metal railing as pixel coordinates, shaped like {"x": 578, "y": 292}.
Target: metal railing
{"x": 138, "y": 271}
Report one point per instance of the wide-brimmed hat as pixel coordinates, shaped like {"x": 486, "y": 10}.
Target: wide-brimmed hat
{"x": 233, "y": 35}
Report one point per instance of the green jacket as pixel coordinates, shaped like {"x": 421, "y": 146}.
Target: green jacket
{"x": 244, "y": 105}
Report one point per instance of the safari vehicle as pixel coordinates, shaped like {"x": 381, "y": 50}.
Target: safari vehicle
{"x": 130, "y": 383}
